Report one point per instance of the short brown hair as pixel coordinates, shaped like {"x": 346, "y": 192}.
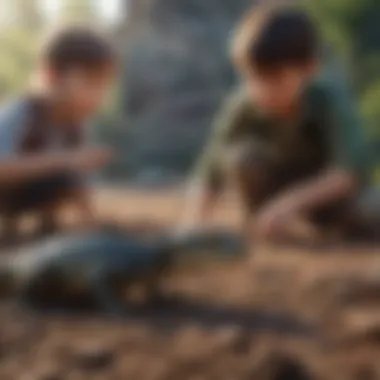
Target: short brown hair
{"x": 273, "y": 36}
{"x": 77, "y": 46}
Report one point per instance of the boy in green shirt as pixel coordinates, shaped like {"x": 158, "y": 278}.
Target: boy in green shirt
{"x": 290, "y": 140}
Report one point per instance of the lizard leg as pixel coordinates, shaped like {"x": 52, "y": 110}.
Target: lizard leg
{"x": 106, "y": 296}
{"x": 31, "y": 293}
{"x": 36, "y": 294}
{"x": 153, "y": 288}
{"x": 155, "y": 291}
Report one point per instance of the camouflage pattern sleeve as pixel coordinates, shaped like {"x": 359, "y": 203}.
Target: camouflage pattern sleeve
{"x": 227, "y": 127}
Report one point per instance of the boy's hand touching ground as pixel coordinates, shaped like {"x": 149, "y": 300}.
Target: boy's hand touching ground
{"x": 272, "y": 220}
{"x": 282, "y": 220}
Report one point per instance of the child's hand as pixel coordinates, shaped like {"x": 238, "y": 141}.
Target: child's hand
{"x": 273, "y": 220}
{"x": 91, "y": 159}
{"x": 283, "y": 219}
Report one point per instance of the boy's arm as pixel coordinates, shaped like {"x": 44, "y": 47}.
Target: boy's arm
{"x": 285, "y": 210}
{"x": 207, "y": 183}
{"x": 350, "y": 156}
{"x": 329, "y": 186}
{"x": 199, "y": 206}
{"x": 16, "y": 169}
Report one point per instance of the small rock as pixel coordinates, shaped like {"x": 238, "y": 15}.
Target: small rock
{"x": 191, "y": 343}
{"x": 366, "y": 373}
{"x": 234, "y": 340}
{"x": 42, "y": 373}
{"x": 242, "y": 345}
{"x": 49, "y": 377}
{"x": 290, "y": 370}
{"x": 281, "y": 367}
{"x": 94, "y": 359}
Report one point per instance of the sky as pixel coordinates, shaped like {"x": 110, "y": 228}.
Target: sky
{"x": 109, "y": 8}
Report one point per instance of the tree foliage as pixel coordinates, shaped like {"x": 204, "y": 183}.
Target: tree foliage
{"x": 79, "y": 10}
{"x": 351, "y": 26}
{"x": 19, "y": 39}
{"x": 27, "y": 14}
{"x": 18, "y": 42}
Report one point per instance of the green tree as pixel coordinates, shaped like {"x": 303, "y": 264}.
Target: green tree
{"x": 79, "y": 10}
{"x": 351, "y": 26}
{"x": 18, "y": 42}
{"x": 17, "y": 61}
{"x": 27, "y": 14}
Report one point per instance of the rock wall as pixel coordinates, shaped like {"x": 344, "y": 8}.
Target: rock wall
{"x": 177, "y": 72}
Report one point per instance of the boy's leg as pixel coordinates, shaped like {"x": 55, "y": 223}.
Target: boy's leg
{"x": 38, "y": 194}
{"x": 363, "y": 221}
{"x": 260, "y": 177}
{"x": 357, "y": 219}
{"x": 251, "y": 169}
{"x": 44, "y": 196}
{"x": 255, "y": 174}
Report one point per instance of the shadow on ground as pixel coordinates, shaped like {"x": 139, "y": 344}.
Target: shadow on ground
{"x": 174, "y": 314}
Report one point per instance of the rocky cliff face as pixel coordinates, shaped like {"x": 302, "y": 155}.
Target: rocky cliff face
{"x": 177, "y": 73}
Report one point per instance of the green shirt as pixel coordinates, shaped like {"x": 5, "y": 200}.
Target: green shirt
{"x": 329, "y": 132}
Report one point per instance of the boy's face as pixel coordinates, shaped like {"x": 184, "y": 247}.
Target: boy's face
{"x": 278, "y": 92}
{"x": 82, "y": 91}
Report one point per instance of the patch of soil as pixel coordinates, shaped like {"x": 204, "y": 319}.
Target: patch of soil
{"x": 281, "y": 314}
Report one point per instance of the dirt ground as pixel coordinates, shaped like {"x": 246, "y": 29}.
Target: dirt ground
{"x": 282, "y": 314}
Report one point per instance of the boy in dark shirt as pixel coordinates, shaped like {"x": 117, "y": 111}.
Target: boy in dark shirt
{"x": 43, "y": 161}
{"x": 290, "y": 140}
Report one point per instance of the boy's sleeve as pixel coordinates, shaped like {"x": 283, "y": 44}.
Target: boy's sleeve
{"x": 12, "y": 124}
{"x": 226, "y": 128}
{"x": 350, "y": 148}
